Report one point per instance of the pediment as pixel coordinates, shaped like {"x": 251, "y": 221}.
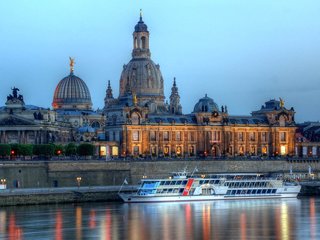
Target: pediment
{"x": 14, "y": 121}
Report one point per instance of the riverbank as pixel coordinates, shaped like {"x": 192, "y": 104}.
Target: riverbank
{"x": 30, "y": 196}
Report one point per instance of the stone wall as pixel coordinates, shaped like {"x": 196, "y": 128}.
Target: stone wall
{"x": 100, "y": 173}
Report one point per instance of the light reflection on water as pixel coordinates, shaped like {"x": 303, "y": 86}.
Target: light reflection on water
{"x": 245, "y": 219}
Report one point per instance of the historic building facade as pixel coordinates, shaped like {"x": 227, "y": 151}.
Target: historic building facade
{"x": 71, "y": 120}
{"x": 139, "y": 122}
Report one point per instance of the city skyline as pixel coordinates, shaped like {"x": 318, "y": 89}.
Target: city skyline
{"x": 240, "y": 55}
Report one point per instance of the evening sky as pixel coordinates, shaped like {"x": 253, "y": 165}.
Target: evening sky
{"x": 241, "y": 53}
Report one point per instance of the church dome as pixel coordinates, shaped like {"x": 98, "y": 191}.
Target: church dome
{"x": 141, "y": 76}
{"x": 141, "y": 26}
{"x": 205, "y": 104}
{"x": 72, "y": 93}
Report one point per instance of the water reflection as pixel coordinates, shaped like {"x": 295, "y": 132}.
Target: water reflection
{"x": 278, "y": 219}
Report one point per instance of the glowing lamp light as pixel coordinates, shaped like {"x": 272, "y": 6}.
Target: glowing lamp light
{"x": 12, "y": 152}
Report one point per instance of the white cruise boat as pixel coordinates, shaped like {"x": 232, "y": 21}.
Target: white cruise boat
{"x": 181, "y": 187}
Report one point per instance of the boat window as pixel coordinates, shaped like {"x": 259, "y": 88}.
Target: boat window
{"x": 238, "y": 191}
{"x": 216, "y": 182}
{"x": 212, "y": 182}
{"x": 201, "y": 182}
{"x": 269, "y": 191}
{"x": 254, "y": 191}
{"x": 184, "y": 182}
{"x": 162, "y": 182}
{"x": 249, "y": 191}
{"x": 274, "y": 190}
{"x": 181, "y": 190}
{"x": 165, "y": 190}
{"x": 167, "y": 183}
{"x": 264, "y": 191}
{"x": 175, "y": 190}
{"x": 173, "y": 183}
{"x": 259, "y": 191}
{"x": 170, "y": 190}
{"x": 150, "y": 185}
{"x": 228, "y": 192}
{"x": 233, "y": 192}
{"x": 179, "y": 182}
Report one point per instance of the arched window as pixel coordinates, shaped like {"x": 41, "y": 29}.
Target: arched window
{"x": 135, "y": 42}
{"x": 143, "y": 42}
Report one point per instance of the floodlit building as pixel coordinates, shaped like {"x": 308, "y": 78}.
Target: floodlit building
{"x": 140, "y": 123}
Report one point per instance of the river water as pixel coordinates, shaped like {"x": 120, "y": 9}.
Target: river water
{"x": 242, "y": 219}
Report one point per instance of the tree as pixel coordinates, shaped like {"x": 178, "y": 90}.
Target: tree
{"x": 71, "y": 149}
{"x": 85, "y": 149}
{"x": 5, "y": 150}
{"x": 44, "y": 150}
{"x": 26, "y": 149}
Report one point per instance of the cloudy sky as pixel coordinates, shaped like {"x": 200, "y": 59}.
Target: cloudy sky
{"x": 241, "y": 53}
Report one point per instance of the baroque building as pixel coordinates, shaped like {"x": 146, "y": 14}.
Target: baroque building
{"x": 140, "y": 123}
{"x": 71, "y": 120}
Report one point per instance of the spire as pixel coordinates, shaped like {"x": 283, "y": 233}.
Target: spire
{"x": 140, "y": 15}
{"x": 71, "y": 65}
{"x": 175, "y": 106}
{"x": 109, "y": 91}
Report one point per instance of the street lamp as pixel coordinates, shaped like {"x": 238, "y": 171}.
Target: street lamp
{"x": 78, "y": 181}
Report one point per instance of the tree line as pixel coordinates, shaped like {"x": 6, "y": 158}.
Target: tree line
{"x": 46, "y": 150}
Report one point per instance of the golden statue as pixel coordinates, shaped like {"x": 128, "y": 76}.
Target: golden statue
{"x": 71, "y": 64}
{"x": 281, "y": 102}
{"x": 135, "y": 100}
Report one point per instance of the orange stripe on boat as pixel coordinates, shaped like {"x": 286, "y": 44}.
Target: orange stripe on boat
{"x": 188, "y": 186}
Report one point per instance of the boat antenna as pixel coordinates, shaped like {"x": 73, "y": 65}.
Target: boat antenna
{"x": 194, "y": 170}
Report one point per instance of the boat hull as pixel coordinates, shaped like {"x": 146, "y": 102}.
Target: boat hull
{"x": 133, "y": 198}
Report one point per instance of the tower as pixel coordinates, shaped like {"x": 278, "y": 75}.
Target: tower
{"x": 175, "y": 106}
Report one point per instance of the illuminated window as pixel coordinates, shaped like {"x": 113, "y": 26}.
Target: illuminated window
{"x": 179, "y": 150}
{"x": 240, "y": 136}
{"x": 153, "y": 136}
{"x": 135, "y": 135}
{"x": 115, "y": 151}
{"x": 191, "y": 151}
{"x": 178, "y": 136}
{"x": 103, "y": 151}
{"x": 136, "y": 150}
{"x": 283, "y": 136}
{"x": 253, "y": 150}
{"x": 153, "y": 150}
{"x": 166, "y": 150}
{"x": 241, "y": 150}
{"x": 263, "y": 136}
{"x": 252, "y": 136}
{"x": 283, "y": 150}
{"x": 264, "y": 150}
{"x": 165, "y": 136}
